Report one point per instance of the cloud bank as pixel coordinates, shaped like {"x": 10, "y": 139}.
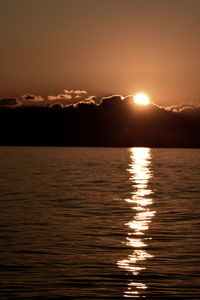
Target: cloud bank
{"x": 115, "y": 121}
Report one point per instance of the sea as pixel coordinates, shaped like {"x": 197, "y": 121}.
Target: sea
{"x": 99, "y": 223}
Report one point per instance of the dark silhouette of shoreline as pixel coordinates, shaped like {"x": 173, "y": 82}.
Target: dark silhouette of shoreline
{"x": 115, "y": 122}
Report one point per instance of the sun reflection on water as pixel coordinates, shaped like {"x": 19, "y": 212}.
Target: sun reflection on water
{"x": 140, "y": 201}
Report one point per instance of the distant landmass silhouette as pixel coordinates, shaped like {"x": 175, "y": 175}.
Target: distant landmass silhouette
{"x": 115, "y": 122}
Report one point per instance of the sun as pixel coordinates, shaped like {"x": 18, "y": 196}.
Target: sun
{"x": 141, "y": 99}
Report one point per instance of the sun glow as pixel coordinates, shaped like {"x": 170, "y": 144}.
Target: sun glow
{"x": 141, "y": 99}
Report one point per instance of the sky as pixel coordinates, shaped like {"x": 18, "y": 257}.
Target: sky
{"x": 105, "y": 47}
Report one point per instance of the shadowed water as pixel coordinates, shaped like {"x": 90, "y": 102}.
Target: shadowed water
{"x": 99, "y": 223}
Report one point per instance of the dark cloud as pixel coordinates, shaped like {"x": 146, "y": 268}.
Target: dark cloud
{"x": 115, "y": 121}
{"x": 9, "y": 102}
{"x": 85, "y": 104}
{"x": 30, "y": 97}
{"x": 111, "y": 101}
{"x": 56, "y": 105}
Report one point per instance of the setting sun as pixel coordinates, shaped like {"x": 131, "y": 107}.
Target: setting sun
{"x": 141, "y": 99}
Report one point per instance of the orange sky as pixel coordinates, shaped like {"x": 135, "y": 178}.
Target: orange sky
{"x": 105, "y": 47}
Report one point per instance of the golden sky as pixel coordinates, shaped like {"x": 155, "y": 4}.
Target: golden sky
{"x": 105, "y": 47}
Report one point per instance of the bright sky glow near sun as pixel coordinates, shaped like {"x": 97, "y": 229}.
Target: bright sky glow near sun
{"x": 104, "y": 47}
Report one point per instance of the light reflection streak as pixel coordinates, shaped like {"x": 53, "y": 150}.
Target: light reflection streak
{"x": 140, "y": 201}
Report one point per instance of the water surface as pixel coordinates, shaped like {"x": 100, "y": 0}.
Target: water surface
{"x": 99, "y": 223}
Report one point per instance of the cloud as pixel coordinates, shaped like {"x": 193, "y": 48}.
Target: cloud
{"x": 59, "y": 97}
{"x": 181, "y": 107}
{"x": 30, "y": 97}
{"x": 111, "y": 101}
{"x": 90, "y": 98}
{"x": 9, "y": 102}
{"x": 56, "y": 105}
{"x": 85, "y": 104}
{"x": 80, "y": 92}
{"x": 74, "y": 95}
{"x": 75, "y": 91}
